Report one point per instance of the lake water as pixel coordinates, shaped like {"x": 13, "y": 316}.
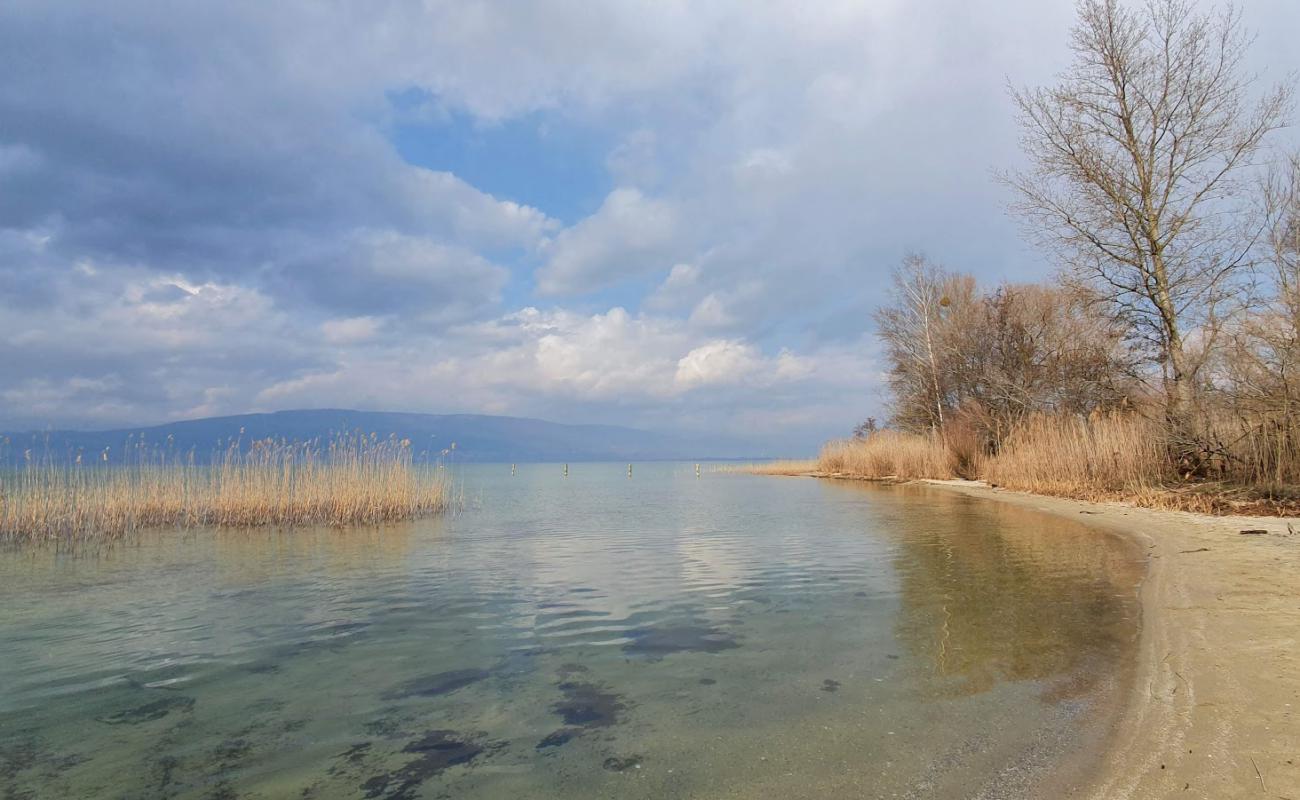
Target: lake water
{"x": 591, "y": 636}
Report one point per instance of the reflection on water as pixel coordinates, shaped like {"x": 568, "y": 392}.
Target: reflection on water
{"x": 991, "y": 593}
{"x": 731, "y": 636}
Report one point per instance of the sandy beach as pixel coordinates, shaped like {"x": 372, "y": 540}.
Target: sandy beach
{"x": 1213, "y": 710}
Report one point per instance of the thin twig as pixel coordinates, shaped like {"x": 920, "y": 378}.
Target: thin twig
{"x": 1259, "y": 775}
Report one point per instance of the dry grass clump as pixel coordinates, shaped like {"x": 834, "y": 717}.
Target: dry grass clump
{"x": 889, "y": 454}
{"x": 354, "y": 479}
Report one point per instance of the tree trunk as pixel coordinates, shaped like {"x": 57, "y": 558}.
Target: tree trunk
{"x": 934, "y": 372}
{"x": 1178, "y": 392}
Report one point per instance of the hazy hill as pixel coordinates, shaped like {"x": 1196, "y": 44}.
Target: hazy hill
{"x": 478, "y": 437}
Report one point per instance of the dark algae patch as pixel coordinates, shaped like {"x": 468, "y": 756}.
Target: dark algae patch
{"x": 435, "y": 752}
{"x": 149, "y": 712}
{"x": 585, "y": 706}
{"x": 588, "y": 705}
{"x": 437, "y": 684}
{"x": 659, "y": 642}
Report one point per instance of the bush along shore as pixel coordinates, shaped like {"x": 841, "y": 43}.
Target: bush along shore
{"x": 350, "y": 479}
{"x": 1161, "y": 361}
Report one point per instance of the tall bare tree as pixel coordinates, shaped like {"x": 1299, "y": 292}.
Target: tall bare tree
{"x": 911, "y": 329}
{"x": 1138, "y": 169}
{"x": 1261, "y": 370}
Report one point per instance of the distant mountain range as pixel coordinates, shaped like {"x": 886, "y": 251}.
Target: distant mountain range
{"x": 477, "y": 437}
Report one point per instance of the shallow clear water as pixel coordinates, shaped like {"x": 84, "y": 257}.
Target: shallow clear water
{"x": 595, "y": 636}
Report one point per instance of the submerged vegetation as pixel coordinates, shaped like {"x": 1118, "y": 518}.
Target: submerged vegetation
{"x": 351, "y": 479}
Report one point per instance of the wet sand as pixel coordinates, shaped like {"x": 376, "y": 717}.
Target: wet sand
{"x": 1213, "y": 707}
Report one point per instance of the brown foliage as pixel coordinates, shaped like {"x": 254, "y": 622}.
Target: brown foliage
{"x": 984, "y": 361}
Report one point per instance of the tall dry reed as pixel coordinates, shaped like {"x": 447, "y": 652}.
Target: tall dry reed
{"x": 781, "y": 467}
{"x": 352, "y": 479}
{"x": 1102, "y": 456}
{"x": 889, "y": 454}
{"x": 1060, "y": 455}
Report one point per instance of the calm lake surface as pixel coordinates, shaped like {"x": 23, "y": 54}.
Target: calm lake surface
{"x": 595, "y": 636}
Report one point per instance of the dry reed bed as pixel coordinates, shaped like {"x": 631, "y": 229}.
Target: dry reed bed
{"x": 888, "y": 454}
{"x": 353, "y": 479}
{"x": 782, "y": 467}
{"x": 1122, "y": 455}
{"x": 1106, "y": 457}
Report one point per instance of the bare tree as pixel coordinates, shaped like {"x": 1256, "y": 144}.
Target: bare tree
{"x": 1261, "y": 370}
{"x": 972, "y": 365}
{"x": 1281, "y": 194}
{"x": 866, "y": 428}
{"x": 1138, "y": 157}
{"x": 911, "y": 329}
{"x": 1033, "y": 349}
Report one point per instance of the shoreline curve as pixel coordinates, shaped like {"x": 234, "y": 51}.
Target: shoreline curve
{"x": 1213, "y": 708}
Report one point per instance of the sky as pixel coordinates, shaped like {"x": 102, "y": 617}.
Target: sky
{"x": 672, "y": 215}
